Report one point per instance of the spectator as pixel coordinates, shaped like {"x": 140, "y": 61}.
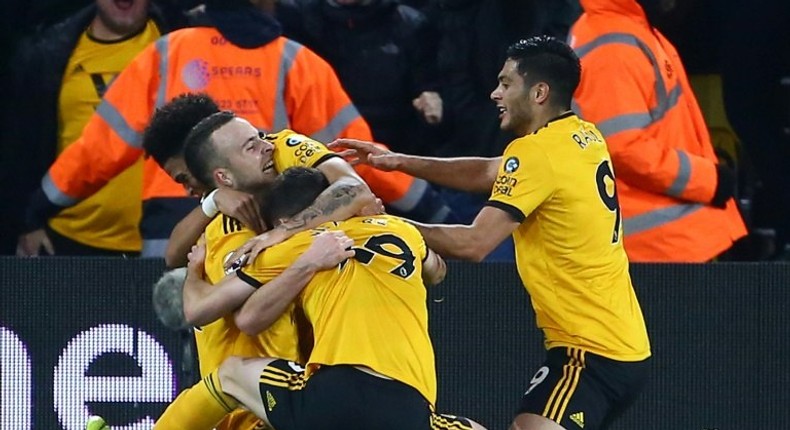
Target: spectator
{"x": 384, "y": 56}
{"x": 676, "y": 199}
{"x": 237, "y": 56}
{"x": 59, "y": 77}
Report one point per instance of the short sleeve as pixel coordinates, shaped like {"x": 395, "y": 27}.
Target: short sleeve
{"x": 524, "y": 181}
{"x": 295, "y": 150}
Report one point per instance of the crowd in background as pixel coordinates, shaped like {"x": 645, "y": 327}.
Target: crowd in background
{"x": 421, "y": 72}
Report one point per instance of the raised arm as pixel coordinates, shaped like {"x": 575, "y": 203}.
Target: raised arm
{"x": 346, "y": 196}
{"x": 241, "y": 206}
{"x": 472, "y": 174}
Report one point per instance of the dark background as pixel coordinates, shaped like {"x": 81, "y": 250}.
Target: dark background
{"x": 719, "y": 334}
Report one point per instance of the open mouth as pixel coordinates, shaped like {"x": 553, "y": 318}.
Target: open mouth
{"x": 124, "y": 4}
{"x": 268, "y": 166}
{"x": 502, "y": 110}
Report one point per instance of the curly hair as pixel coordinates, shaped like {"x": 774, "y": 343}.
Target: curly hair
{"x": 166, "y": 134}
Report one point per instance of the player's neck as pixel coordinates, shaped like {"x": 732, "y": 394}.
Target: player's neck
{"x": 543, "y": 117}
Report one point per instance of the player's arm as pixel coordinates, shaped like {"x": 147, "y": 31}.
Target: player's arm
{"x": 471, "y": 174}
{"x": 434, "y": 269}
{"x": 205, "y": 303}
{"x": 236, "y": 204}
{"x": 270, "y": 300}
{"x": 472, "y": 242}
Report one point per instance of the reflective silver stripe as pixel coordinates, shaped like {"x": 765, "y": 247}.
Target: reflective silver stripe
{"x": 54, "y": 194}
{"x": 576, "y": 108}
{"x": 290, "y": 50}
{"x": 631, "y": 121}
{"x": 684, "y": 175}
{"x": 332, "y": 131}
{"x": 440, "y": 215}
{"x": 666, "y": 101}
{"x": 658, "y": 217}
{"x": 161, "y": 47}
{"x": 117, "y": 123}
{"x": 412, "y": 197}
{"x": 154, "y": 248}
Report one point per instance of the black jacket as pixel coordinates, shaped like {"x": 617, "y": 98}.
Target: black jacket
{"x": 30, "y": 123}
{"x": 383, "y": 56}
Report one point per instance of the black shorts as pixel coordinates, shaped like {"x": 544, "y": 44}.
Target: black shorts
{"x": 579, "y": 389}
{"x": 343, "y": 397}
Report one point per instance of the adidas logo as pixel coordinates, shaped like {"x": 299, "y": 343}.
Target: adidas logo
{"x": 578, "y": 418}
{"x": 270, "y": 402}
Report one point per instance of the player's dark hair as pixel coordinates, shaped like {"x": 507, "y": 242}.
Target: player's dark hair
{"x": 200, "y": 153}
{"x": 547, "y": 59}
{"x": 292, "y": 192}
{"x": 165, "y": 135}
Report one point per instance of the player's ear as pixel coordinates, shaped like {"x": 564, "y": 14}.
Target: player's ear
{"x": 541, "y": 92}
{"x": 223, "y": 177}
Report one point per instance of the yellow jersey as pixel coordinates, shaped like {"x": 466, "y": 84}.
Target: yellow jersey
{"x": 221, "y": 338}
{"x": 110, "y": 218}
{"x": 559, "y": 183}
{"x": 370, "y": 311}
{"x": 224, "y": 234}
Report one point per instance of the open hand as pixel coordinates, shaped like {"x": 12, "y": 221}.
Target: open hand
{"x": 360, "y": 151}
{"x": 329, "y": 249}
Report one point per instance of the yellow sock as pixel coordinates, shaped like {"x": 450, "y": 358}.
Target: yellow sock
{"x": 200, "y": 407}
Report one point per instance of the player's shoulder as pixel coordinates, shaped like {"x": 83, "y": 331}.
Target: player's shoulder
{"x": 288, "y": 138}
{"x": 224, "y": 225}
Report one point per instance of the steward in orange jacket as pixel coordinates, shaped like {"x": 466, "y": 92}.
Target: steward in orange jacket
{"x": 676, "y": 199}
{"x": 246, "y": 66}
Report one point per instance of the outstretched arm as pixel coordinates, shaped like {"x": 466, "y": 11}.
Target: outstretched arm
{"x": 470, "y": 242}
{"x": 472, "y": 174}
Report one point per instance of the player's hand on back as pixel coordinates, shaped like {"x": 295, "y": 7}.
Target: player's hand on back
{"x": 374, "y": 208}
{"x": 328, "y": 249}
{"x": 241, "y": 206}
{"x": 359, "y": 151}
{"x": 248, "y": 252}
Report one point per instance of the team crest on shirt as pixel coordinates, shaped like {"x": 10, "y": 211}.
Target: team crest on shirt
{"x": 238, "y": 264}
{"x": 511, "y": 165}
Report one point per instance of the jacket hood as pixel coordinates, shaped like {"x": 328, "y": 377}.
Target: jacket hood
{"x": 243, "y": 24}
{"x": 630, "y": 8}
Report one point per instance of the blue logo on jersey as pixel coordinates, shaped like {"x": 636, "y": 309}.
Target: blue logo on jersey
{"x": 511, "y": 165}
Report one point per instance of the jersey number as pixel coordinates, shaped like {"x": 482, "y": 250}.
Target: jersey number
{"x": 610, "y": 201}
{"x": 375, "y": 245}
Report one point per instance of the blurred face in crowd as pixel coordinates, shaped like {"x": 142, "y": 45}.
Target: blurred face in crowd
{"x": 248, "y": 157}
{"x": 176, "y": 167}
{"x": 121, "y": 17}
{"x": 512, "y": 99}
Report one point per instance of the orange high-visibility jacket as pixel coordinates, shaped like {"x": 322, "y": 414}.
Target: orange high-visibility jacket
{"x": 278, "y": 85}
{"x": 635, "y": 89}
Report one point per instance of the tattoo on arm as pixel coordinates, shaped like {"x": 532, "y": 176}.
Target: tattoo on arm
{"x": 327, "y": 203}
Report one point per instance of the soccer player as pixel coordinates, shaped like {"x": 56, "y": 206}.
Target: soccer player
{"x": 372, "y": 366}
{"x": 218, "y": 337}
{"x": 553, "y": 190}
